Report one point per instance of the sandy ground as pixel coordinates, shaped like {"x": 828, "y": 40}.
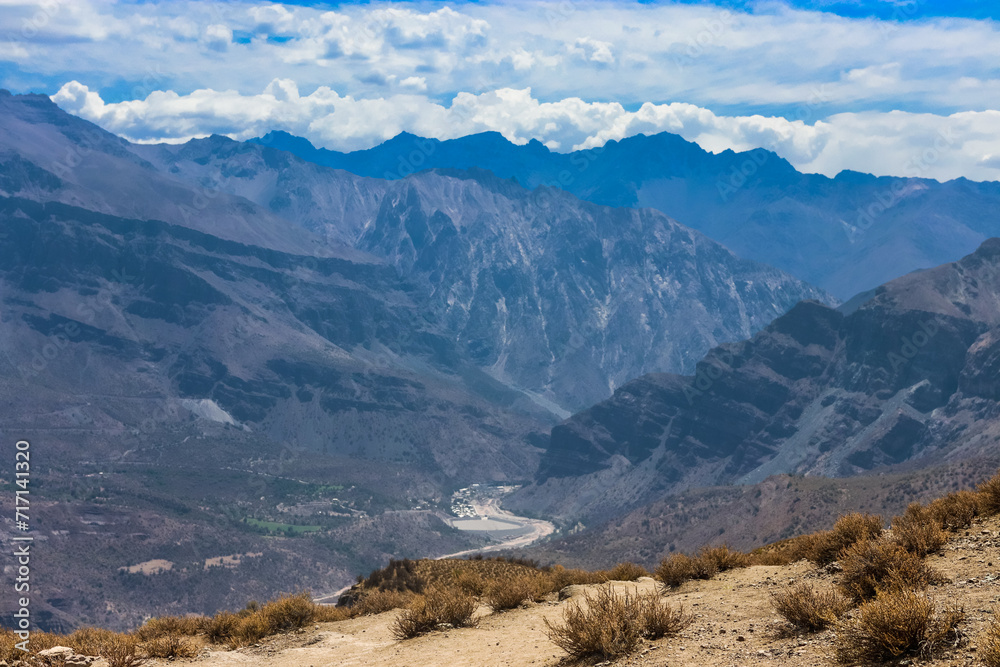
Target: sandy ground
{"x": 733, "y": 624}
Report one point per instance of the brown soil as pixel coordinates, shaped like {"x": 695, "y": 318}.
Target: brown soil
{"x": 733, "y": 624}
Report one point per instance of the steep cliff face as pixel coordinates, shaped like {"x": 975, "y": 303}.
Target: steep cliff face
{"x": 559, "y": 297}
{"x": 910, "y": 375}
{"x": 566, "y": 298}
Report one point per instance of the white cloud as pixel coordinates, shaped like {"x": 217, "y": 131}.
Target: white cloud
{"x": 417, "y": 83}
{"x": 217, "y": 37}
{"x": 895, "y": 143}
{"x": 593, "y": 50}
{"x": 777, "y": 77}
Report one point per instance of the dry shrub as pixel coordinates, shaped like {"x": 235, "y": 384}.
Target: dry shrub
{"x": 161, "y": 626}
{"x": 785, "y": 552}
{"x": 170, "y": 647}
{"x": 723, "y": 558}
{"x": 414, "y": 621}
{"x": 988, "y": 498}
{"x": 849, "y": 530}
{"x": 249, "y": 629}
{"x": 807, "y": 610}
{"x": 562, "y": 577}
{"x": 378, "y": 602}
{"x": 439, "y": 605}
{"x": 122, "y": 651}
{"x": 510, "y": 592}
{"x": 626, "y": 572}
{"x": 469, "y": 581}
{"x": 288, "y": 612}
{"x": 988, "y": 649}
{"x": 219, "y": 628}
{"x": 955, "y": 510}
{"x": 678, "y": 568}
{"x": 328, "y": 613}
{"x": 399, "y": 575}
{"x": 894, "y": 625}
{"x": 918, "y": 531}
{"x": 612, "y": 624}
{"x": 8, "y": 649}
{"x": 452, "y": 606}
{"x": 874, "y": 565}
{"x": 660, "y": 618}
{"x": 89, "y": 641}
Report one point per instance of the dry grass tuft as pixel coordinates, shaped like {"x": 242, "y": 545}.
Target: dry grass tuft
{"x": 509, "y": 593}
{"x": 849, "y": 530}
{"x": 956, "y": 510}
{"x": 678, "y": 568}
{"x": 807, "y": 610}
{"x": 626, "y": 572}
{"x": 163, "y": 626}
{"x": 611, "y": 625}
{"x": 988, "y": 649}
{"x": 871, "y": 566}
{"x": 379, "y": 602}
{"x": 988, "y": 496}
{"x": 438, "y": 606}
{"x": 122, "y": 651}
{"x": 918, "y": 531}
{"x": 562, "y": 577}
{"x": 170, "y": 647}
{"x": 723, "y": 558}
{"x": 659, "y": 617}
{"x": 894, "y": 625}
{"x": 785, "y": 552}
{"x": 88, "y": 641}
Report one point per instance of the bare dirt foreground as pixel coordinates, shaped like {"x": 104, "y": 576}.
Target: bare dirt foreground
{"x": 733, "y": 624}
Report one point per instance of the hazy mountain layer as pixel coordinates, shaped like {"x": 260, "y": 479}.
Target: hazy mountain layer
{"x": 845, "y": 234}
{"x": 551, "y": 294}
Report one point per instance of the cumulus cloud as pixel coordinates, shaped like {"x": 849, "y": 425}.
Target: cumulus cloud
{"x": 593, "y": 50}
{"x": 895, "y": 143}
{"x": 217, "y": 37}
{"x": 568, "y": 74}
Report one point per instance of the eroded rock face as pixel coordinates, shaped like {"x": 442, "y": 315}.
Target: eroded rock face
{"x": 562, "y": 297}
{"x": 912, "y": 373}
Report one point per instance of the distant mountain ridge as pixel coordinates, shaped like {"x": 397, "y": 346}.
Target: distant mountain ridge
{"x": 845, "y": 234}
{"x": 559, "y": 297}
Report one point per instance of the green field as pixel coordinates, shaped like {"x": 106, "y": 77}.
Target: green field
{"x": 281, "y": 528}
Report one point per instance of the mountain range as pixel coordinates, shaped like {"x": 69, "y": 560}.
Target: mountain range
{"x": 232, "y": 362}
{"x": 907, "y": 375}
{"x": 555, "y": 296}
{"x": 846, "y": 234}
{"x": 239, "y": 362}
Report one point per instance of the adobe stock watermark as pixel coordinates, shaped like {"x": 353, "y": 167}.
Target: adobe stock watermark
{"x": 902, "y": 11}
{"x": 740, "y": 175}
{"x": 711, "y": 33}
{"x": 22, "y": 543}
{"x": 708, "y": 373}
{"x": 916, "y": 167}
{"x": 68, "y": 332}
{"x": 911, "y": 346}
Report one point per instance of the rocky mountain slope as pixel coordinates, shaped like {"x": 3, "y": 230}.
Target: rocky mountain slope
{"x": 550, "y": 294}
{"x": 907, "y": 376}
{"x": 220, "y": 393}
{"x": 212, "y": 393}
{"x": 845, "y": 234}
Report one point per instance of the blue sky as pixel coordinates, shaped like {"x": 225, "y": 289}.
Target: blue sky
{"x": 906, "y": 88}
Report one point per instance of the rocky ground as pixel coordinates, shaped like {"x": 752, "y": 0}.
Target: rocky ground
{"x": 733, "y": 624}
